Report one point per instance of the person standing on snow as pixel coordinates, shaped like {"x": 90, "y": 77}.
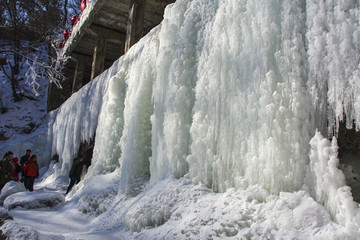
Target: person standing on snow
{"x": 31, "y": 171}
{"x": 7, "y": 169}
{"x": 16, "y": 168}
{"x": 23, "y": 160}
{"x": 75, "y": 172}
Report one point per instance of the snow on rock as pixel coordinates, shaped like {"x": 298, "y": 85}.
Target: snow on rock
{"x": 4, "y": 215}
{"x": 12, "y": 230}
{"x": 32, "y": 200}
{"x": 10, "y": 188}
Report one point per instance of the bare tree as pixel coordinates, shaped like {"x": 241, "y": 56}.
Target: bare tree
{"x": 27, "y": 27}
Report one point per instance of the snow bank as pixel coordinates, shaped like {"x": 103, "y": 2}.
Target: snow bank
{"x": 4, "y": 215}
{"x": 13, "y": 230}
{"x": 32, "y": 200}
{"x": 11, "y": 188}
{"x": 177, "y": 209}
{"x": 329, "y": 182}
{"x": 95, "y": 195}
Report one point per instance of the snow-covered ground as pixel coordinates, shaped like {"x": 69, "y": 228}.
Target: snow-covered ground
{"x": 23, "y": 117}
{"x": 173, "y": 209}
{"x": 213, "y": 126}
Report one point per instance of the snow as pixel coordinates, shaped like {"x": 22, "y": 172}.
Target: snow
{"x": 22, "y": 117}
{"x": 9, "y": 189}
{"x": 76, "y": 30}
{"x": 213, "y": 126}
{"x": 30, "y": 200}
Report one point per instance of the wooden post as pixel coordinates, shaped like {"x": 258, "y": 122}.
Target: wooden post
{"x": 78, "y": 76}
{"x": 135, "y": 25}
{"x": 98, "y": 57}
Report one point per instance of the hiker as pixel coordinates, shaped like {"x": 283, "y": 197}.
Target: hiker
{"x": 55, "y": 158}
{"x": 16, "y": 168}
{"x": 88, "y": 154}
{"x": 31, "y": 171}
{"x": 2, "y": 159}
{"x": 23, "y": 160}
{"x": 75, "y": 172}
{"x": 7, "y": 169}
{"x": 5, "y": 156}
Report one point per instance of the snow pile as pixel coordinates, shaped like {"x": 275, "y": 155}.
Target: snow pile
{"x": 4, "y": 215}
{"x": 329, "y": 181}
{"x": 177, "y": 209}
{"x": 93, "y": 199}
{"x": 11, "y": 188}
{"x": 13, "y": 230}
{"x": 31, "y": 200}
{"x": 51, "y": 179}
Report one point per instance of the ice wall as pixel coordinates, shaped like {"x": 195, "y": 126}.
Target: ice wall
{"x": 76, "y": 121}
{"x": 230, "y": 92}
{"x": 332, "y": 38}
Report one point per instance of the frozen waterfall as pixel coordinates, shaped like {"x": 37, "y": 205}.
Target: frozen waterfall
{"x": 231, "y": 93}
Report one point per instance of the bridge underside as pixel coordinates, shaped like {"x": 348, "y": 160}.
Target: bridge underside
{"x": 110, "y": 29}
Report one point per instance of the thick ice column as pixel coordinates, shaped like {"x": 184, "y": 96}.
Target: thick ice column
{"x": 135, "y": 25}
{"x": 98, "y": 57}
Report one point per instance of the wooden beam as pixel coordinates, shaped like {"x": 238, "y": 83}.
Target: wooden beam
{"x": 77, "y": 56}
{"x": 98, "y": 57}
{"x": 107, "y": 33}
{"x": 78, "y": 76}
{"x": 135, "y": 25}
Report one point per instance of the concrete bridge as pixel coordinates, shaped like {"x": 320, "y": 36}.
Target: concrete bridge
{"x": 109, "y": 29}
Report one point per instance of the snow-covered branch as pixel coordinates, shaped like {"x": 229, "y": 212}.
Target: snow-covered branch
{"x": 53, "y": 70}
{"x": 40, "y": 65}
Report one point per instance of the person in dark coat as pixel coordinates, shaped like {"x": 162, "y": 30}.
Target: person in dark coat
{"x": 88, "y": 154}
{"x": 23, "y": 160}
{"x": 75, "y": 172}
{"x": 7, "y": 169}
{"x": 31, "y": 171}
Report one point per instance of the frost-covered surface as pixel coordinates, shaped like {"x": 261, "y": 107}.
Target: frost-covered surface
{"x": 74, "y": 123}
{"x": 177, "y": 209}
{"x": 225, "y": 96}
{"x": 76, "y": 30}
{"x": 23, "y": 117}
{"x": 31, "y": 200}
{"x": 11, "y": 188}
{"x": 24, "y": 124}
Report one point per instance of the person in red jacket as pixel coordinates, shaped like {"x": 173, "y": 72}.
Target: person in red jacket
{"x": 16, "y": 169}
{"x": 31, "y": 171}
{"x": 82, "y": 5}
